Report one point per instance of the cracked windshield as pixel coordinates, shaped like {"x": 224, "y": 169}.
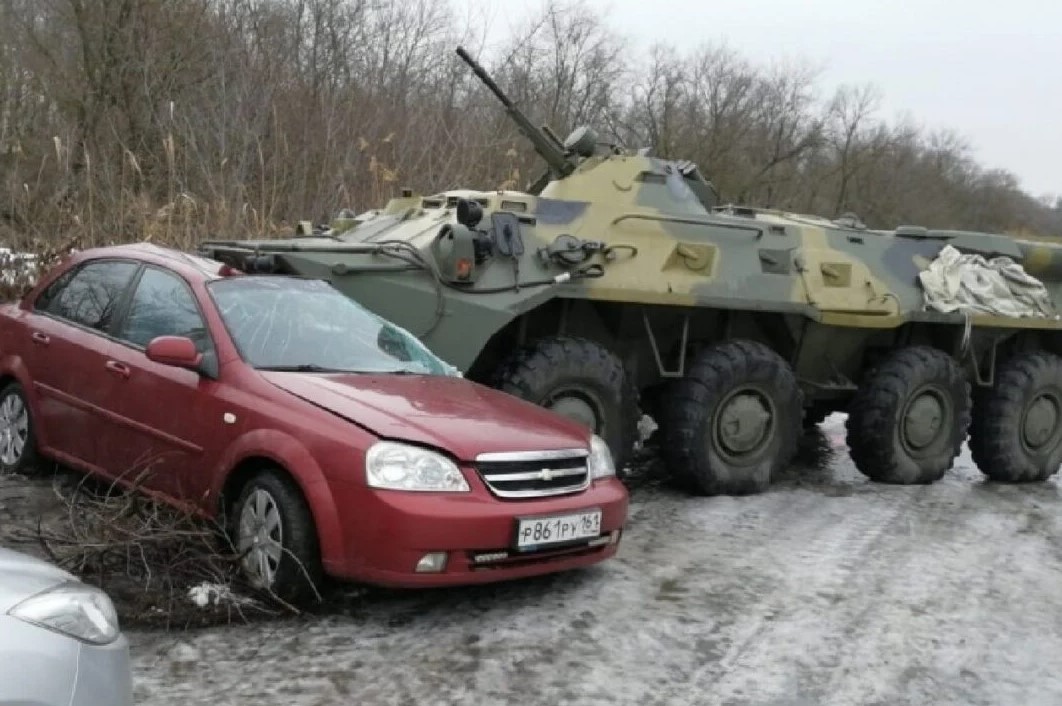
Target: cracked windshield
{"x": 302, "y": 325}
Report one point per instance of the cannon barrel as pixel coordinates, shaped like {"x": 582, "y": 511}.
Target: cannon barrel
{"x": 545, "y": 146}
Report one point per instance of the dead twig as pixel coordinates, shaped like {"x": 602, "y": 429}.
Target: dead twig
{"x": 163, "y": 566}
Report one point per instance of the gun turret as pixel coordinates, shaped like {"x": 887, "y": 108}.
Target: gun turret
{"x": 546, "y": 144}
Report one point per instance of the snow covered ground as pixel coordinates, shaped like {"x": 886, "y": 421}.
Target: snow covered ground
{"x": 826, "y": 590}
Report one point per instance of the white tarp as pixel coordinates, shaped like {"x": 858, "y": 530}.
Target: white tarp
{"x": 970, "y": 283}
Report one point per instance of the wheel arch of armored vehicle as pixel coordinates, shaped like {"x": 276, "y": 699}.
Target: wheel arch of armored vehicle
{"x": 617, "y": 283}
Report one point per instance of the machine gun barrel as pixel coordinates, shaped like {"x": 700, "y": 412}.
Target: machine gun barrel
{"x": 546, "y": 147}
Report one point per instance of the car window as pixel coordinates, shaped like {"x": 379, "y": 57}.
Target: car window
{"x": 163, "y": 305}
{"x": 89, "y": 296}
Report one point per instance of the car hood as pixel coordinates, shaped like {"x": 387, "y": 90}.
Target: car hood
{"x": 451, "y": 413}
{"x": 22, "y": 576}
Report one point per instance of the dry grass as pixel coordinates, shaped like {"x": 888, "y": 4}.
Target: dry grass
{"x": 89, "y": 218}
{"x": 152, "y": 558}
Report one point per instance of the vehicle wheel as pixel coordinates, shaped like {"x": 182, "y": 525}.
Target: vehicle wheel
{"x": 273, "y": 530}
{"x": 581, "y": 380}
{"x": 1016, "y": 434}
{"x": 907, "y": 422}
{"x": 734, "y": 420}
{"x": 18, "y": 443}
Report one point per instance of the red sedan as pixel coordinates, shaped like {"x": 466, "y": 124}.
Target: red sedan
{"x": 333, "y": 441}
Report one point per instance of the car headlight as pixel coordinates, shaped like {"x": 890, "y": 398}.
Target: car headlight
{"x": 395, "y": 466}
{"x": 73, "y": 608}
{"x": 600, "y": 461}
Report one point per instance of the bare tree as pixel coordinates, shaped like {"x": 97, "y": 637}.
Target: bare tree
{"x": 131, "y": 119}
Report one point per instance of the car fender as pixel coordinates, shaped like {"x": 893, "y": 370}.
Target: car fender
{"x": 289, "y": 453}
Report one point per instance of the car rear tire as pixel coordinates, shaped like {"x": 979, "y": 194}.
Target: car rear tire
{"x": 733, "y": 421}
{"x": 581, "y": 380}
{"x": 1016, "y": 434}
{"x": 273, "y": 531}
{"x": 18, "y": 441}
{"x": 907, "y": 422}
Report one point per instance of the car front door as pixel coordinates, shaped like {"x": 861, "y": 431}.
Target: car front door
{"x": 171, "y": 416}
{"x": 68, "y": 330}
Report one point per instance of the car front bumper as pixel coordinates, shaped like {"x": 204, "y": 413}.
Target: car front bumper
{"x": 388, "y": 532}
{"x": 39, "y": 667}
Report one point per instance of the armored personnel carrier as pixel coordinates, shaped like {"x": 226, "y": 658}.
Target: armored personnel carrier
{"x": 619, "y": 283}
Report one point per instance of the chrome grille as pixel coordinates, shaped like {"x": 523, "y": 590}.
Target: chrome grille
{"x": 534, "y": 474}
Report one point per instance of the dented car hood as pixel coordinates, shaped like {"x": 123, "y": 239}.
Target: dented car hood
{"x": 449, "y": 413}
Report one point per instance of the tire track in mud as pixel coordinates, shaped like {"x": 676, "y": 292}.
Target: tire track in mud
{"x": 888, "y": 633}
{"x": 802, "y": 573}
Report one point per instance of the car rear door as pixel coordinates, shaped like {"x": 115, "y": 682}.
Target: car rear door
{"x": 68, "y": 329}
{"x": 171, "y": 417}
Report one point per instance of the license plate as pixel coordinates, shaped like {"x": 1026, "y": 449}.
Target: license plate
{"x": 558, "y": 529}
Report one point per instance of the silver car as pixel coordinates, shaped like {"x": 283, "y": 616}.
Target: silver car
{"x": 59, "y": 639}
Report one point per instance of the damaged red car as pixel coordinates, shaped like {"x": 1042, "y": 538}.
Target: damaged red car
{"x": 331, "y": 442}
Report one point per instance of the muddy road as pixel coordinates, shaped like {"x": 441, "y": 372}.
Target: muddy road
{"x": 825, "y": 590}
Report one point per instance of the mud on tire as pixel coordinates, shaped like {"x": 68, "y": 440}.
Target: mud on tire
{"x": 269, "y": 494}
{"x": 1016, "y": 434}
{"x": 577, "y": 377}
{"x": 907, "y": 422}
{"x": 18, "y": 441}
{"x": 734, "y": 421}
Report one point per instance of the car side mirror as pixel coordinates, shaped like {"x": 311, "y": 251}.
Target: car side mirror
{"x": 177, "y": 351}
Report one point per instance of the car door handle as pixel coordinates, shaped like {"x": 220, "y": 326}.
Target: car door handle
{"x": 117, "y": 368}
{"x": 40, "y": 339}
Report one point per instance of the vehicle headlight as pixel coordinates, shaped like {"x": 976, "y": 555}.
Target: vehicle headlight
{"x": 600, "y": 461}
{"x": 403, "y": 467}
{"x": 73, "y": 608}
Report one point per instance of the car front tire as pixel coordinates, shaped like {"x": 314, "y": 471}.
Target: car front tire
{"x": 274, "y": 533}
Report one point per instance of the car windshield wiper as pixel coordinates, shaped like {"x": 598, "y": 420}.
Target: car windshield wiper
{"x": 302, "y": 368}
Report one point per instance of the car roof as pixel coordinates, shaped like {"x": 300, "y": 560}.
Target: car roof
{"x": 187, "y": 264}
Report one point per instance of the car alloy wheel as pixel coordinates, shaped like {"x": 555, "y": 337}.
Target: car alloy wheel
{"x": 261, "y": 538}
{"x": 14, "y": 429}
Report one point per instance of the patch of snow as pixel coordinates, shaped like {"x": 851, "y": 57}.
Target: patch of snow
{"x": 183, "y": 653}
{"x": 207, "y": 593}
{"x": 646, "y": 426}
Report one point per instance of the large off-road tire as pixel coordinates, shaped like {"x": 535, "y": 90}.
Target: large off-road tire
{"x": 1016, "y": 434}
{"x": 733, "y": 421}
{"x": 286, "y": 558}
{"x": 579, "y": 379}
{"x": 907, "y": 422}
{"x": 18, "y": 441}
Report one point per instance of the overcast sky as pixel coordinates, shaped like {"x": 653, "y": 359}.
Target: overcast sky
{"x": 990, "y": 70}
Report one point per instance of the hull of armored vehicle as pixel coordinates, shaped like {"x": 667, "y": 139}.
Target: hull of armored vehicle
{"x": 655, "y": 277}
{"x": 618, "y": 284}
